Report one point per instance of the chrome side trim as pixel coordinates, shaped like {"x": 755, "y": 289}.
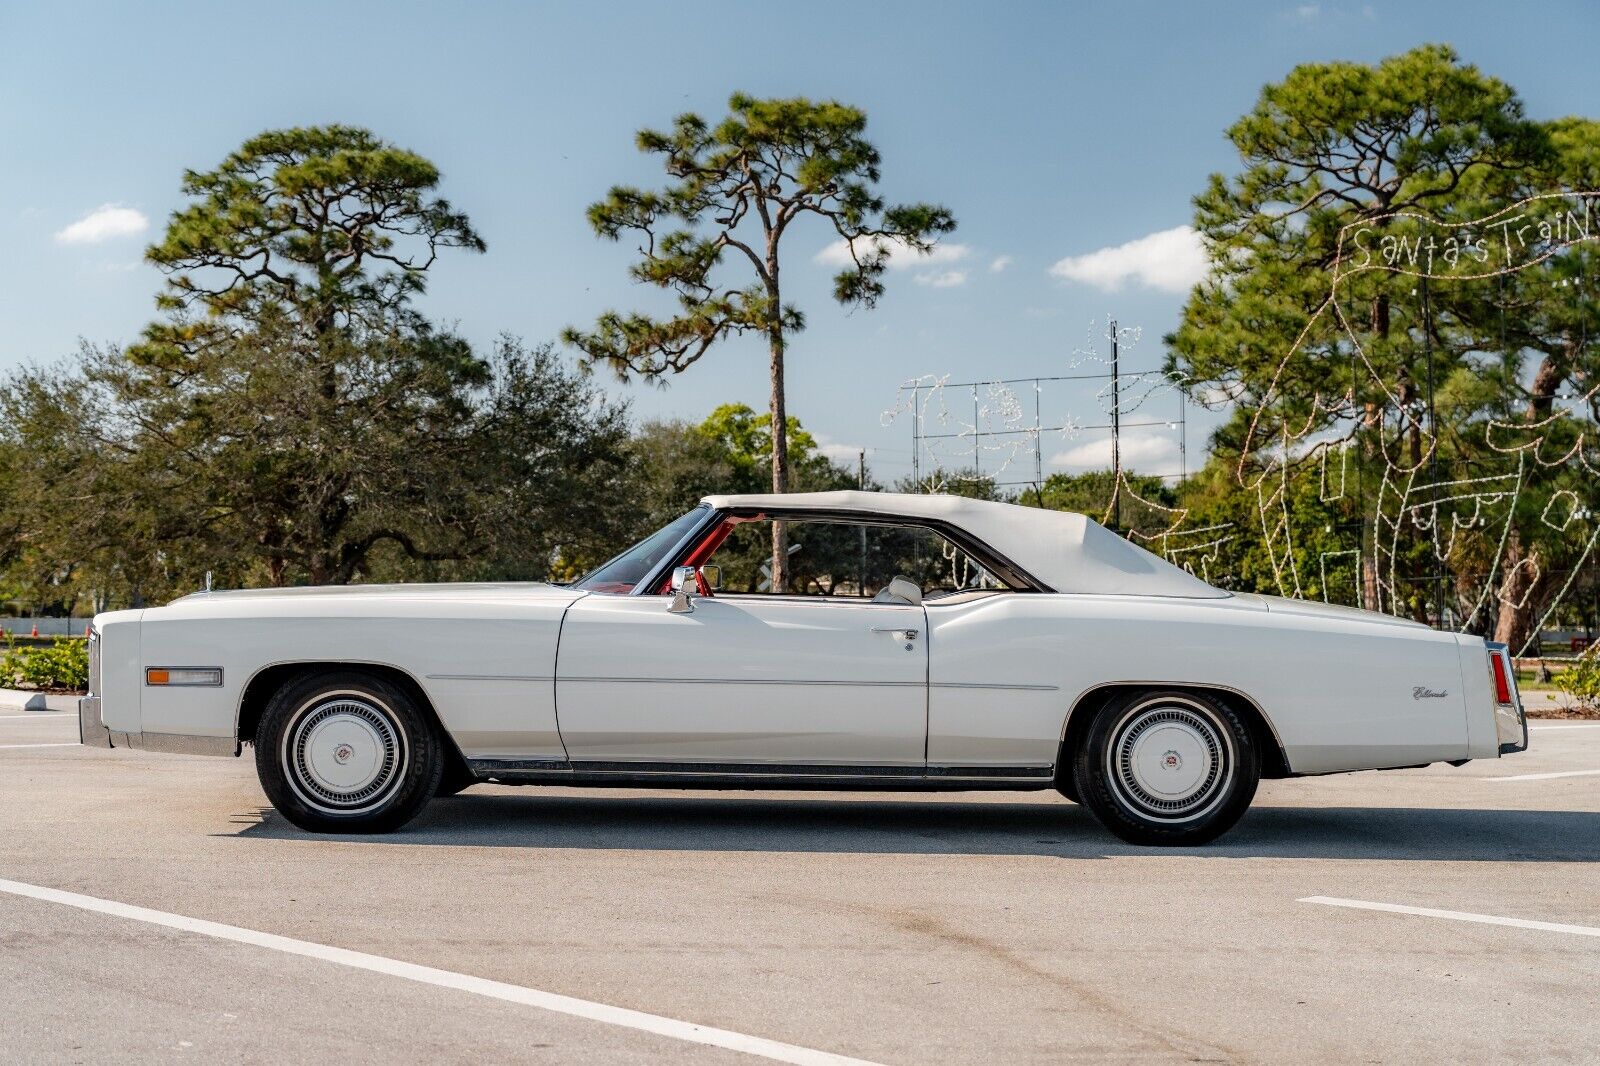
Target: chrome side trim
{"x": 238, "y": 706}
{"x": 92, "y": 729}
{"x": 486, "y": 767}
{"x": 176, "y": 744}
{"x": 488, "y": 677}
{"x": 745, "y": 681}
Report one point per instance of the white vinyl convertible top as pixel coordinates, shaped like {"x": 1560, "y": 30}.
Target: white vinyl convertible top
{"x": 1066, "y": 551}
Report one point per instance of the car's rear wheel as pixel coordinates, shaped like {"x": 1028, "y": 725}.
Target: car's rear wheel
{"x": 1167, "y": 767}
{"x": 347, "y": 752}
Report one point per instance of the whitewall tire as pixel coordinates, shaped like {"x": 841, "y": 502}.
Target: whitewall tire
{"x": 1167, "y": 767}
{"x": 347, "y": 752}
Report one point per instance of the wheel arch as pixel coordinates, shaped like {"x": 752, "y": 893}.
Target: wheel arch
{"x": 269, "y": 679}
{"x": 1274, "y": 760}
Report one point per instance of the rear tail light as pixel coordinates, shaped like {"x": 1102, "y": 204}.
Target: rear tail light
{"x": 1501, "y": 675}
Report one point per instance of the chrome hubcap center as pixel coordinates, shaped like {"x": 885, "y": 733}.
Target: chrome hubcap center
{"x": 344, "y": 754}
{"x": 1169, "y": 760}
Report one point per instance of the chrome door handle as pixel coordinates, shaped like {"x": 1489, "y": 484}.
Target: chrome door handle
{"x": 899, "y": 632}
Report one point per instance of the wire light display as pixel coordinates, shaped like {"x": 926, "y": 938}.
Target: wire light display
{"x": 988, "y": 431}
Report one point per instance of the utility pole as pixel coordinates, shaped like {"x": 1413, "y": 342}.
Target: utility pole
{"x": 916, "y": 439}
{"x": 1116, "y": 433}
{"x": 1183, "y": 438}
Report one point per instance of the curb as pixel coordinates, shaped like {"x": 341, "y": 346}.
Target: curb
{"x": 16, "y": 699}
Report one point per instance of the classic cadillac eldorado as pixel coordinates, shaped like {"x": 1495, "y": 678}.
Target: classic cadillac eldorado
{"x": 922, "y": 643}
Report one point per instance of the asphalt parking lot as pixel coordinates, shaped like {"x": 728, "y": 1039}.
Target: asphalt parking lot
{"x": 153, "y": 908}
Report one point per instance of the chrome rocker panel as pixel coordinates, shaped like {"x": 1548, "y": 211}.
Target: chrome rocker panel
{"x": 756, "y": 776}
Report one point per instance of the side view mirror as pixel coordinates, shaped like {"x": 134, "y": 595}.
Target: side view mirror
{"x": 712, "y": 574}
{"x": 684, "y": 585}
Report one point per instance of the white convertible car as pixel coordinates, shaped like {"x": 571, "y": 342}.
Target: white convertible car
{"x": 924, "y": 642}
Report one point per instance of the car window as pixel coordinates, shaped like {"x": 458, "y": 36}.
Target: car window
{"x": 623, "y": 572}
{"x": 848, "y": 559}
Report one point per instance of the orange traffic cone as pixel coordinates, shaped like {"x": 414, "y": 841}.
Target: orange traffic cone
{"x": 35, "y": 632}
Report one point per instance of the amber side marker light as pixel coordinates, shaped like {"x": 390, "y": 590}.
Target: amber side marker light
{"x": 183, "y": 675}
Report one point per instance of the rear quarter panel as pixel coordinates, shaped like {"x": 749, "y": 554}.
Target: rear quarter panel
{"x": 1338, "y": 690}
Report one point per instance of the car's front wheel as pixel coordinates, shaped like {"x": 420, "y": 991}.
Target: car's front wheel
{"x": 347, "y": 752}
{"x": 1167, "y": 767}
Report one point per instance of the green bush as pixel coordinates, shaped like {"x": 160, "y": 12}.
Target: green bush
{"x": 1581, "y": 680}
{"x": 63, "y": 663}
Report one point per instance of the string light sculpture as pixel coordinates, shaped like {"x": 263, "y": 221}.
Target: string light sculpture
{"x": 1408, "y": 499}
{"x": 1411, "y": 498}
{"x": 981, "y": 430}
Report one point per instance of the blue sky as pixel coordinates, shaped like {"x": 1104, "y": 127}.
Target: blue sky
{"x": 1053, "y": 132}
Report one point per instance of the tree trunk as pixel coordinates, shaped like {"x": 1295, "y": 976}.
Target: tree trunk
{"x": 780, "y": 460}
{"x": 277, "y": 566}
{"x": 1519, "y": 599}
{"x": 780, "y": 416}
{"x": 1520, "y": 595}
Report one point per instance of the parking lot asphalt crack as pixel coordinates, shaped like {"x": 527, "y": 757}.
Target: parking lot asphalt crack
{"x": 1171, "y": 1041}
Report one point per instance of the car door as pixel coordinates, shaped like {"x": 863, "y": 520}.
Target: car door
{"x": 743, "y": 680}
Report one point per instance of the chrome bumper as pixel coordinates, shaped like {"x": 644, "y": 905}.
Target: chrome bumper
{"x": 1511, "y": 728}
{"x": 93, "y": 732}
{"x": 91, "y": 727}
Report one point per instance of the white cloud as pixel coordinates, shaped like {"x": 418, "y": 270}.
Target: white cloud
{"x": 837, "y": 254}
{"x": 1307, "y": 12}
{"x": 1172, "y": 260}
{"x": 104, "y": 223}
{"x": 1000, "y": 263}
{"x": 848, "y": 454}
{"x": 1148, "y": 453}
{"x": 943, "y": 279}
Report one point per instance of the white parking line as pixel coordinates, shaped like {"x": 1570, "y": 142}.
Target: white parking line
{"x": 28, "y": 716}
{"x": 1553, "y": 728}
{"x": 1455, "y": 916}
{"x": 61, "y": 744}
{"x": 1546, "y": 777}
{"x": 428, "y": 975}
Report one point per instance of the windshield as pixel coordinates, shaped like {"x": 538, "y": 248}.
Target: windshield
{"x": 625, "y": 571}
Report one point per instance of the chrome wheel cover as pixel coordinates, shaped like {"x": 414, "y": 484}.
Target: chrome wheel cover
{"x": 344, "y": 753}
{"x": 1170, "y": 759}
